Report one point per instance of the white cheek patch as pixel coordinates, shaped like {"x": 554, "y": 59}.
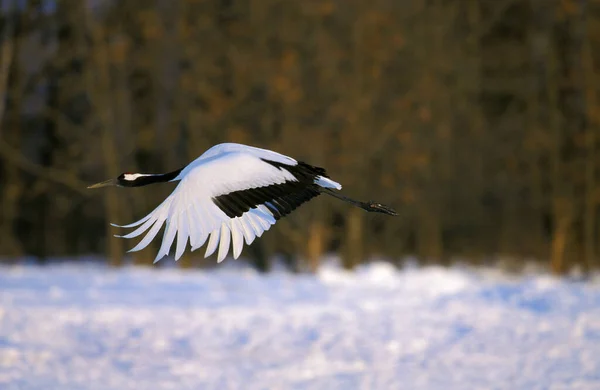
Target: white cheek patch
{"x": 132, "y": 176}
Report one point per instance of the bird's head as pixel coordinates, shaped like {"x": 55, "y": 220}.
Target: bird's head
{"x": 126, "y": 179}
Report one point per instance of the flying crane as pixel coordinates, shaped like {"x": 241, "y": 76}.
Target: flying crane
{"x": 230, "y": 194}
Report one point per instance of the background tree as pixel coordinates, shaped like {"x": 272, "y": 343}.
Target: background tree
{"x": 477, "y": 120}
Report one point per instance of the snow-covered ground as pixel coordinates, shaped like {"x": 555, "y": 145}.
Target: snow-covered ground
{"x": 85, "y": 326}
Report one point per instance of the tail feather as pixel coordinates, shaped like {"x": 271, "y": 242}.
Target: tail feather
{"x": 326, "y": 182}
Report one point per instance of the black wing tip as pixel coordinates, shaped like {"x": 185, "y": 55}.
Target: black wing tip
{"x": 381, "y": 208}
{"x": 302, "y": 171}
{"x": 313, "y": 169}
{"x": 281, "y": 199}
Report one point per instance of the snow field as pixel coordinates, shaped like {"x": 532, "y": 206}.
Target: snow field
{"x": 85, "y": 326}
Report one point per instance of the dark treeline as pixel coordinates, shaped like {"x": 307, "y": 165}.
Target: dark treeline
{"x": 477, "y": 120}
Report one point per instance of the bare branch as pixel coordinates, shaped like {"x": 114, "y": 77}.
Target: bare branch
{"x": 52, "y": 174}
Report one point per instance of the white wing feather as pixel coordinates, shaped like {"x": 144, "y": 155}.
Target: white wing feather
{"x": 213, "y": 242}
{"x": 224, "y": 244}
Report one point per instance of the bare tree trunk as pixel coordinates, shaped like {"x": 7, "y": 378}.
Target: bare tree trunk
{"x": 354, "y": 248}
{"x": 315, "y": 245}
{"x": 477, "y": 134}
{"x": 8, "y": 38}
{"x": 561, "y": 207}
{"x": 537, "y": 45}
{"x": 11, "y": 84}
{"x": 510, "y": 219}
{"x": 560, "y": 236}
{"x": 122, "y": 134}
{"x": 99, "y": 82}
{"x": 354, "y": 245}
{"x": 429, "y": 240}
{"x": 590, "y": 86}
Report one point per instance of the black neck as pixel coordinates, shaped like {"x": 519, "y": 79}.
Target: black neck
{"x": 151, "y": 179}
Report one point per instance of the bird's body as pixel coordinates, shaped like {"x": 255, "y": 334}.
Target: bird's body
{"x": 230, "y": 194}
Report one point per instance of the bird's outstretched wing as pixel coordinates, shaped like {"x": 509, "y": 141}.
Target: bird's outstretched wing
{"x": 228, "y": 199}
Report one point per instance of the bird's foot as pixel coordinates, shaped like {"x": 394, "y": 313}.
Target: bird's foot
{"x": 380, "y": 208}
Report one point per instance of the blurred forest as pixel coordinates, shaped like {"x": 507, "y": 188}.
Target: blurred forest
{"x": 477, "y": 120}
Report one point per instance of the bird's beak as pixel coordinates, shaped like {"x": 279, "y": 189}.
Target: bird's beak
{"x": 106, "y": 183}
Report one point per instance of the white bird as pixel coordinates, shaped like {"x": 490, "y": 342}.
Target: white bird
{"x": 231, "y": 193}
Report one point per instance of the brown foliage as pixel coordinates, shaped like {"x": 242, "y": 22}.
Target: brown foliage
{"x": 477, "y": 120}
